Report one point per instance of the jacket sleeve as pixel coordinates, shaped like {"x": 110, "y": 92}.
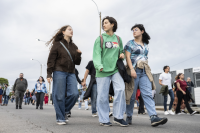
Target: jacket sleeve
{"x": 77, "y": 60}
{"x": 14, "y": 87}
{"x": 121, "y": 46}
{"x": 51, "y": 60}
{"x": 77, "y": 78}
{"x": 97, "y": 55}
{"x": 36, "y": 87}
{"x": 192, "y": 84}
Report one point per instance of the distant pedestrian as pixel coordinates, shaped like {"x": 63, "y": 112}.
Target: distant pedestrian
{"x": 46, "y": 99}
{"x": 82, "y": 90}
{"x": 19, "y": 88}
{"x": 165, "y": 81}
{"x": 40, "y": 91}
{"x": 6, "y": 93}
{"x": 27, "y": 97}
{"x": 1, "y": 94}
{"x": 182, "y": 94}
{"x": 190, "y": 84}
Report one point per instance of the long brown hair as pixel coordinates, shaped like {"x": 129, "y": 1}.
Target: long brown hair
{"x": 58, "y": 36}
{"x": 178, "y": 76}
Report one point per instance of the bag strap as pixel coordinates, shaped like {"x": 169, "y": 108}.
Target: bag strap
{"x": 67, "y": 51}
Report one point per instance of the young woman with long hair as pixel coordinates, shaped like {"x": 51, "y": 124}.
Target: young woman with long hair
{"x": 105, "y": 62}
{"x": 181, "y": 94}
{"x": 63, "y": 57}
{"x": 40, "y": 91}
{"x": 136, "y": 51}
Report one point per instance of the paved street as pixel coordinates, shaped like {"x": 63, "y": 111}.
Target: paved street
{"x": 30, "y": 120}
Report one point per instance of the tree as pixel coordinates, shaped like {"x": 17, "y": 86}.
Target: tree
{"x": 3, "y": 81}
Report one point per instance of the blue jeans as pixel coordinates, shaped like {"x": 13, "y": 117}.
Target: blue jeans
{"x": 171, "y": 93}
{"x": 94, "y": 98}
{"x": 143, "y": 82}
{"x": 119, "y": 104}
{"x": 62, "y": 82}
{"x": 27, "y": 100}
{"x": 81, "y": 100}
{"x": 5, "y": 99}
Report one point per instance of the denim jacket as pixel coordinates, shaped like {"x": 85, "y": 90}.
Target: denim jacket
{"x": 7, "y": 91}
{"x": 40, "y": 87}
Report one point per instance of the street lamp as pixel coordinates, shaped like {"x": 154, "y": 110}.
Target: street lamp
{"x": 99, "y": 15}
{"x": 40, "y": 40}
{"x": 40, "y": 65}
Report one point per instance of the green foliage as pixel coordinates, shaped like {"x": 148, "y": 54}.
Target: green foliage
{"x": 3, "y": 81}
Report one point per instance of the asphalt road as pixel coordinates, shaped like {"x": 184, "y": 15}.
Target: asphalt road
{"x": 30, "y": 120}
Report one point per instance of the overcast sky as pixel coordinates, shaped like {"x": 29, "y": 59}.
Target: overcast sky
{"x": 173, "y": 25}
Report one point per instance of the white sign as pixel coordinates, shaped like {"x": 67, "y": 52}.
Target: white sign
{"x": 196, "y": 69}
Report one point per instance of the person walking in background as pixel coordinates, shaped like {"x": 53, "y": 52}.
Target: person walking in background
{"x": 40, "y": 91}
{"x": 190, "y": 84}
{"x": 33, "y": 97}
{"x": 92, "y": 88}
{"x": 105, "y": 56}
{"x": 137, "y": 59}
{"x": 27, "y": 97}
{"x": 165, "y": 81}
{"x": 63, "y": 57}
{"x": 46, "y": 99}
{"x": 1, "y": 94}
{"x": 82, "y": 90}
{"x": 181, "y": 94}
{"x": 19, "y": 88}
{"x": 13, "y": 98}
{"x": 6, "y": 93}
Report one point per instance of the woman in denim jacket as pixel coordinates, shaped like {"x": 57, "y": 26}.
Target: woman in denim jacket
{"x": 40, "y": 90}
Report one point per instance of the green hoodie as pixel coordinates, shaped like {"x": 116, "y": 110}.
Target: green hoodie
{"x": 106, "y": 58}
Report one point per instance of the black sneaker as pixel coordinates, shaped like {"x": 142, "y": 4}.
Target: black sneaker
{"x": 66, "y": 118}
{"x": 41, "y": 108}
{"x": 129, "y": 119}
{"x": 16, "y": 106}
{"x": 106, "y": 124}
{"x": 20, "y": 107}
{"x": 110, "y": 114}
{"x": 121, "y": 122}
{"x": 36, "y": 107}
{"x": 156, "y": 121}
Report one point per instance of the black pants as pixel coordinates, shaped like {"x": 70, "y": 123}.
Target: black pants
{"x": 180, "y": 97}
{"x": 40, "y": 99}
{"x": 19, "y": 97}
{"x": 141, "y": 105}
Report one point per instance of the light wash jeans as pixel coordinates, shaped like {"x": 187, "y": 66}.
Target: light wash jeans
{"x": 119, "y": 104}
{"x": 143, "y": 82}
{"x": 64, "y": 82}
{"x": 81, "y": 100}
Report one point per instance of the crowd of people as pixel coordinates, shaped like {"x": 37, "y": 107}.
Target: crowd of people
{"x": 109, "y": 77}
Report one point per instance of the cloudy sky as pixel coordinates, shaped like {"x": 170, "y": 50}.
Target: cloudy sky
{"x": 173, "y": 25}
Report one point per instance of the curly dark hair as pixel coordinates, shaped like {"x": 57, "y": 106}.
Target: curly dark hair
{"x": 145, "y": 35}
{"x": 165, "y": 67}
{"x": 112, "y": 21}
{"x": 42, "y": 79}
{"x": 58, "y": 36}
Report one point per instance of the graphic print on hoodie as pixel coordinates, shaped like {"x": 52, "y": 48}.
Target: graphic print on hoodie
{"x": 111, "y": 45}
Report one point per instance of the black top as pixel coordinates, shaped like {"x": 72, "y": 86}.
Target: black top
{"x": 91, "y": 68}
{"x": 77, "y": 78}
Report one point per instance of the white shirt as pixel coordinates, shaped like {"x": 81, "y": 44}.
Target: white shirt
{"x": 166, "y": 79}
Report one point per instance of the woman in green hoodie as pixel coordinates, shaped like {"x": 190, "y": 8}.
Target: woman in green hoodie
{"x": 105, "y": 59}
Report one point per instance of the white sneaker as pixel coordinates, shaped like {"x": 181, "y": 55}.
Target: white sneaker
{"x": 79, "y": 108}
{"x": 61, "y": 123}
{"x": 166, "y": 113}
{"x": 94, "y": 115}
{"x": 194, "y": 112}
{"x": 171, "y": 112}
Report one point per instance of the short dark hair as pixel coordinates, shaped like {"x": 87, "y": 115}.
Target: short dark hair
{"x": 145, "y": 35}
{"x": 112, "y": 21}
{"x": 22, "y": 73}
{"x": 42, "y": 79}
{"x": 6, "y": 84}
{"x": 165, "y": 67}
